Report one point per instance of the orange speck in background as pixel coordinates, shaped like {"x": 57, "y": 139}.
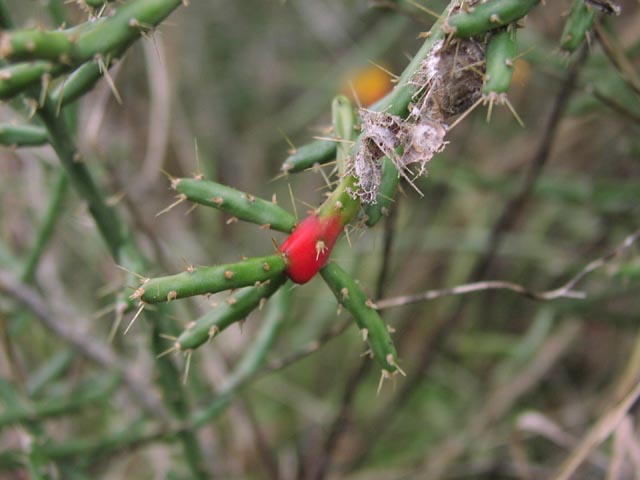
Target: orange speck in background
{"x": 367, "y": 85}
{"x": 521, "y": 73}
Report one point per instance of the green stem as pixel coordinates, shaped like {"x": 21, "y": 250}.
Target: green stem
{"x": 307, "y": 156}
{"x": 88, "y": 394}
{"x": 82, "y": 43}
{"x": 369, "y": 321}
{"x": 47, "y": 226}
{"x": 203, "y": 280}
{"x": 239, "y": 204}
{"x": 22, "y": 135}
{"x": 105, "y": 216}
{"x": 227, "y": 313}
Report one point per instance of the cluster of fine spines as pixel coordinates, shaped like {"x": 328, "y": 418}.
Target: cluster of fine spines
{"x": 204, "y": 280}
{"x": 242, "y": 206}
{"x": 500, "y": 63}
{"x": 483, "y": 17}
{"x": 234, "y": 309}
{"x": 577, "y": 26}
{"x": 315, "y": 153}
{"x": 370, "y": 323}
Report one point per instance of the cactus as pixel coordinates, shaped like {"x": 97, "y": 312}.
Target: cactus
{"x": 204, "y": 280}
{"x": 488, "y": 16}
{"x": 577, "y": 26}
{"x": 234, "y": 309}
{"x": 501, "y": 53}
{"x": 307, "y": 156}
{"x": 239, "y": 204}
{"x": 466, "y": 60}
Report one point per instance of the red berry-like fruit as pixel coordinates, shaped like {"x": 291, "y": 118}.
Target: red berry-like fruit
{"x": 308, "y": 248}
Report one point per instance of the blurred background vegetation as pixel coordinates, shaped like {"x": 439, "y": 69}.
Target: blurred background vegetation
{"x": 497, "y": 386}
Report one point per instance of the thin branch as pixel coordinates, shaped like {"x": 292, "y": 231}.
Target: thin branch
{"x": 564, "y": 291}
{"x": 83, "y": 342}
{"x": 616, "y": 55}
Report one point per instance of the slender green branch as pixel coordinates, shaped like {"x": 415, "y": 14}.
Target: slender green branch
{"x": 371, "y": 324}
{"x": 80, "y": 44}
{"x": 307, "y": 156}
{"x": 22, "y": 135}
{"x": 56, "y": 52}
{"x": 488, "y": 16}
{"x": 87, "y": 394}
{"x": 47, "y": 226}
{"x": 239, "y": 204}
{"x": 203, "y": 280}
{"x": 235, "y": 309}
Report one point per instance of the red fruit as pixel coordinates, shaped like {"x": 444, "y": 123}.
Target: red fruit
{"x": 308, "y": 248}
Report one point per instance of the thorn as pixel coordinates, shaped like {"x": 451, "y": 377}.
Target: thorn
{"x": 135, "y": 317}
{"x": 191, "y": 209}
{"x": 383, "y": 377}
{"x": 274, "y": 199}
{"x": 465, "y": 114}
{"x": 293, "y": 202}
{"x": 142, "y": 279}
{"x": 119, "y": 308}
{"x": 292, "y": 147}
{"x": 172, "y": 295}
{"x": 263, "y": 302}
{"x": 180, "y": 198}
{"x": 187, "y": 366}
{"x": 391, "y": 361}
{"x": 175, "y": 347}
{"x": 198, "y": 175}
{"x": 228, "y": 274}
{"x": 321, "y": 248}
{"x": 213, "y": 331}
{"x": 513, "y": 112}
{"x": 231, "y": 220}
{"x": 168, "y": 337}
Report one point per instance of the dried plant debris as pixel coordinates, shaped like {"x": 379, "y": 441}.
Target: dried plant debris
{"x": 382, "y": 135}
{"x": 605, "y": 6}
{"x": 448, "y": 82}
